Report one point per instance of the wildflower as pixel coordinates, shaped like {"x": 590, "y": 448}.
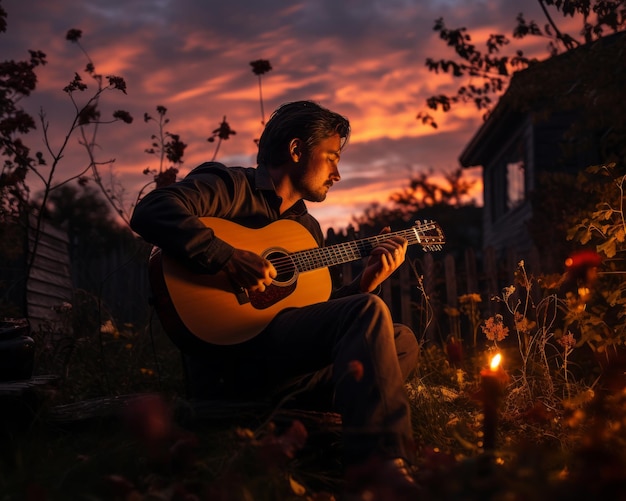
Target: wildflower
{"x": 567, "y": 341}
{"x": 108, "y": 328}
{"x": 494, "y": 328}
{"x": 583, "y": 259}
{"x": 451, "y": 311}
{"x": 582, "y": 269}
{"x": 507, "y": 292}
{"x": 73, "y": 35}
{"x": 76, "y": 84}
{"x": 470, "y": 298}
{"x": 117, "y": 83}
{"x": 454, "y": 350}
{"x": 165, "y": 178}
{"x": 124, "y": 116}
{"x": 223, "y": 131}
{"x": 260, "y": 66}
{"x": 175, "y": 148}
{"x": 522, "y": 324}
{"x": 355, "y": 368}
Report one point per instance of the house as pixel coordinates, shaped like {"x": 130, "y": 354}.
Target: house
{"x": 558, "y": 116}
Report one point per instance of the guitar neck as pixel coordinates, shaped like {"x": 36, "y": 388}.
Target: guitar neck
{"x": 346, "y": 252}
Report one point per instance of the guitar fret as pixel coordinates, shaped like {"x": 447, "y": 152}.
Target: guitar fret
{"x": 312, "y": 259}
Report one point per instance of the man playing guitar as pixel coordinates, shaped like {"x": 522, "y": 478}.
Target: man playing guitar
{"x": 316, "y": 344}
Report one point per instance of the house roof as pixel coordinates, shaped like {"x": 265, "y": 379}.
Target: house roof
{"x": 593, "y": 72}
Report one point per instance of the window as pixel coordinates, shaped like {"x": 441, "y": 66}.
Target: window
{"x": 506, "y": 182}
{"x": 515, "y": 184}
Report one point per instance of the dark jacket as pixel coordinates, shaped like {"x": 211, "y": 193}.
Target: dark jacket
{"x": 167, "y": 217}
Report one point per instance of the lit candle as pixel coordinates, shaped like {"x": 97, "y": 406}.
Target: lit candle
{"x": 493, "y": 380}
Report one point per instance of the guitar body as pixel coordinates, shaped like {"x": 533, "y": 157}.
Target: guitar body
{"x": 200, "y": 307}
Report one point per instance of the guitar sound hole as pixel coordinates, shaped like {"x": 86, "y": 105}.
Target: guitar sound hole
{"x": 285, "y": 269}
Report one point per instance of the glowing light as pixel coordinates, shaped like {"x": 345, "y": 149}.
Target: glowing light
{"x": 495, "y": 362}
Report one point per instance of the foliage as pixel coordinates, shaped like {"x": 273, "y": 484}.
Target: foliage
{"x": 605, "y": 229}
{"x": 95, "y": 356}
{"x": 423, "y": 193}
{"x": 17, "y": 81}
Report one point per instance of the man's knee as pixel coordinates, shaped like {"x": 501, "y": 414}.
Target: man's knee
{"x": 374, "y": 305}
{"x": 407, "y": 348}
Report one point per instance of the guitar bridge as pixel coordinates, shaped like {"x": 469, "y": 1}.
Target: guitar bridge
{"x": 242, "y": 296}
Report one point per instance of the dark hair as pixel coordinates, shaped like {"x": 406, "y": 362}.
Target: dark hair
{"x": 305, "y": 120}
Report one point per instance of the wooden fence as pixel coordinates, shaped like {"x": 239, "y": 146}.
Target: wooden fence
{"x": 419, "y": 294}
{"x": 422, "y": 289}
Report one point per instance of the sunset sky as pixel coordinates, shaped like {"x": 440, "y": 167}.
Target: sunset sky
{"x": 362, "y": 58}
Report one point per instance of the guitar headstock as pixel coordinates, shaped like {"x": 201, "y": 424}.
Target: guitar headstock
{"x": 430, "y": 235}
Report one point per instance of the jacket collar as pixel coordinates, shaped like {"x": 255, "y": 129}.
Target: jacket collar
{"x": 264, "y": 182}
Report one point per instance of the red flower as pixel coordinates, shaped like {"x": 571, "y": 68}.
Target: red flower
{"x": 454, "y": 350}
{"x": 355, "y": 368}
{"x": 583, "y": 259}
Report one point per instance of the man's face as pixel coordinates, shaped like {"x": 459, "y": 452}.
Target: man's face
{"x": 318, "y": 169}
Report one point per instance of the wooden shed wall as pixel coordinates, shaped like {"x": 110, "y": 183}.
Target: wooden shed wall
{"x": 49, "y": 284}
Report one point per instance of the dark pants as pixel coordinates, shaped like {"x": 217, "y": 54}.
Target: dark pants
{"x": 347, "y": 347}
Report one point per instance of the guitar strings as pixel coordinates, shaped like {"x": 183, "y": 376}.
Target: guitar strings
{"x": 348, "y": 250}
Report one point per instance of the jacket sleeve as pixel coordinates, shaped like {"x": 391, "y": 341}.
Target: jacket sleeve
{"x": 168, "y": 217}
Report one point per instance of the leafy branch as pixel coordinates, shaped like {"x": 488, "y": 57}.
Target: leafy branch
{"x": 487, "y": 73}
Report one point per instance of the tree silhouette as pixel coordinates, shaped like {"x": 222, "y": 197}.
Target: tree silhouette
{"x": 487, "y": 73}
{"x": 17, "y": 81}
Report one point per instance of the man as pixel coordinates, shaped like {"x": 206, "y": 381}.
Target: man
{"x": 299, "y": 152}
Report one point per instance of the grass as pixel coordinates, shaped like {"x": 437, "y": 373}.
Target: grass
{"x": 85, "y": 441}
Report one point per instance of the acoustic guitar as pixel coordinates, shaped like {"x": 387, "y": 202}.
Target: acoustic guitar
{"x": 206, "y": 308}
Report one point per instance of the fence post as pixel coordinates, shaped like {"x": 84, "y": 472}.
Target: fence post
{"x": 346, "y": 273}
{"x": 470, "y": 269}
{"x": 404, "y": 278}
{"x": 451, "y": 285}
{"x": 491, "y": 275}
{"x": 429, "y": 291}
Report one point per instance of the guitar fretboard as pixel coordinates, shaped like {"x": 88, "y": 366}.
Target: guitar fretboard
{"x": 427, "y": 234}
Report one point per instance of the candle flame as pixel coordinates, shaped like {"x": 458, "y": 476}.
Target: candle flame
{"x": 495, "y": 361}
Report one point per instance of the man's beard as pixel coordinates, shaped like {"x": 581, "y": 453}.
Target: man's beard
{"x": 317, "y": 196}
